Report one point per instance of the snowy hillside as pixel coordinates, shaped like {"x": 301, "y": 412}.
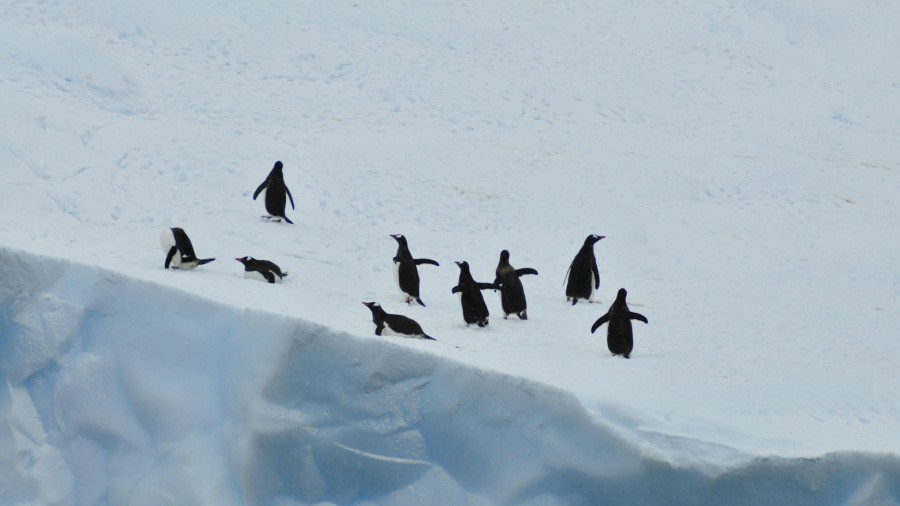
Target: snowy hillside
{"x": 741, "y": 159}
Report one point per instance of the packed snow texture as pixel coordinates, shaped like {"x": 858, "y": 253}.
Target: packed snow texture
{"x": 741, "y": 159}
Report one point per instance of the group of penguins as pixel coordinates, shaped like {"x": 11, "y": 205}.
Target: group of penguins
{"x": 583, "y": 278}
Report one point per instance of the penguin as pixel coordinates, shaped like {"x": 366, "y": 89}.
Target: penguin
{"x": 405, "y": 271}
{"x": 276, "y": 191}
{"x": 473, "y": 307}
{"x": 619, "y": 336}
{"x": 512, "y": 293}
{"x": 261, "y": 269}
{"x": 395, "y": 324}
{"x": 179, "y": 250}
{"x": 583, "y": 275}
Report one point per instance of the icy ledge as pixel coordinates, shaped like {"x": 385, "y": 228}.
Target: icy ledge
{"x": 119, "y": 391}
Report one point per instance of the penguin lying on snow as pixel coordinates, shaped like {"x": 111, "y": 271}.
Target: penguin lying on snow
{"x": 583, "y": 275}
{"x": 405, "y": 271}
{"x": 473, "y": 307}
{"x": 277, "y": 194}
{"x": 261, "y": 269}
{"x": 395, "y": 324}
{"x": 512, "y": 293}
{"x": 179, "y": 250}
{"x": 619, "y": 336}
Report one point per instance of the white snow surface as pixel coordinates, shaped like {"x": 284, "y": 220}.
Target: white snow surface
{"x": 742, "y": 159}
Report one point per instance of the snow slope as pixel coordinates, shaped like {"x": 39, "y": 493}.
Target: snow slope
{"x": 740, "y": 157}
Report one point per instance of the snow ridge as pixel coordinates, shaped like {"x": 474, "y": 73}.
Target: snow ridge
{"x": 120, "y": 391}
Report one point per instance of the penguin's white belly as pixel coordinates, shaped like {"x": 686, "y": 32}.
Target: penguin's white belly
{"x": 259, "y": 277}
{"x": 166, "y": 240}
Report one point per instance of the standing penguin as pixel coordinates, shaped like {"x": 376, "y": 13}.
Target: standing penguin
{"x": 619, "y": 336}
{"x": 512, "y": 293}
{"x": 395, "y": 324}
{"x": 277, "y": 194}
{"x": 583, "y": 275}
{"x": 179, "y": 251}
{"x": 473, "y": 307}
{"x": 405, "y": 271}
{"x": 261, "y": 269}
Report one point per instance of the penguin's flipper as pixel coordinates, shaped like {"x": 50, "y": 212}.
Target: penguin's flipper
{"x": 288, "y": 191}
{"x": 379, "y": 328}
{"x": 600, "y": 321}
{"x": 487, "y": 286}
{"x": 288, "y": 220}
{"x": 637, "y": 316}
{"x": 526, "y": 270}
{"x": 456, "y": 289}
{"x": 420, "y": 261}
{"x": 202, "y": 261}
{"x": 270, "y": 277}
{"x": 420, "y": 302}
{"x": 260, "y": 188}
{"x": 170, "y": 255}
{"x": 596, "y": 274}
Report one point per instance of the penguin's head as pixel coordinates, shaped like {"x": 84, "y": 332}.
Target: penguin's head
{"x": 593, "y": 238}
{"x": 373, "y": 306}
{"x": 504, "y": 256}
{"x": 620, "y": 297}
{"x": 463, "y": 265}
{"x": 244, "y": 260}
{"x": 399, "y": 238}
{"x": 278, "y": 166}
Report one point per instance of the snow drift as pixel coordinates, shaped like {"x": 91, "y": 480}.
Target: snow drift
{"x": 119, "y": 391}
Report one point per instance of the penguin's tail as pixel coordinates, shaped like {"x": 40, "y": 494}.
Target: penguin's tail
{"x": 420, "y": 302}
{"x": 284, "y": 274}
{"x": 203, "y": 261}
{"x": 288, "y": 220}
{"x": 428, "y": 338}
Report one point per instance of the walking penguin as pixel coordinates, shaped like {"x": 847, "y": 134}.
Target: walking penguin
{"x": 512, "y": 293}
{"x": 261, "y": 269}
{"x": 583, "y": 275}
{"x": 473, "y": 307}
{"x": 405, "y": 271}
{"x": 179, "y": 251}
{"x": 619, "y": 336}
{"x": 277, "y": 194}
{"x": 395, "y": 324}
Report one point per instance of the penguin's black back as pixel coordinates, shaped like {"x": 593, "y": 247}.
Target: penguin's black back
{"x": 473, "y": 306}
{"x": 183, "y": 243}
{"x": 619, "y": 332}
{"x": 512, "y": 293}
{"x": 582, "y": 279}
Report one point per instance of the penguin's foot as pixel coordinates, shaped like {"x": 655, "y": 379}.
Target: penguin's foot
{"x": 523, "y": 315}
{"x": 505, "y": 316}
{"x": 483, "y": 323}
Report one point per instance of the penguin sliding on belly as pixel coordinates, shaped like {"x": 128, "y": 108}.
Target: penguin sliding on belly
{"x": 473, "y": 307}
{"x": 583, "y": 275}
{"x": 405, "y": 271}
{"x": 277, "y": 194}
{"x": 619, "y": 335}
{"x": 261, "y": 269}
{"x": 179, "y": 251}
{"x": 512, "y": 293}
{"x": 395, "y": 324}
